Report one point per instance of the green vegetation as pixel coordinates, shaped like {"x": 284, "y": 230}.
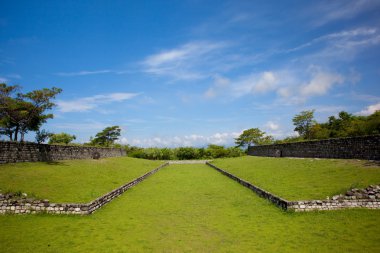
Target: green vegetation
{"x": 192, "y": 208}
{"x": 21, "y": 113}
{"x": 74, "y": 181}
{"x": 303, "y": 123}
{"x": 253, "y": 136}
{"x": 61, "y": 138}
{"x": 107, "y": 136}
{"x": 302, "y": 179}
{"x": 346, "y": 125}
{"x": 183, "y": 153}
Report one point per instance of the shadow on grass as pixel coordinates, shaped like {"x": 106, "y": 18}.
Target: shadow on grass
{"x": 56, "y": 163}
{"x": 372, "y": 163}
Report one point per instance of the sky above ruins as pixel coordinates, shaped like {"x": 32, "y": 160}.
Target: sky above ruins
{"x": 192, "y": 72}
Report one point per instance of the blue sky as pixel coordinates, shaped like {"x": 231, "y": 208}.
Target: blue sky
{"x": 175, "y": 73}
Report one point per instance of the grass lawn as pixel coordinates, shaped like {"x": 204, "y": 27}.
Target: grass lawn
{"x": 302, "y": 179}
{"x": 72, "y": 181}
{"x": 192, "y": 208}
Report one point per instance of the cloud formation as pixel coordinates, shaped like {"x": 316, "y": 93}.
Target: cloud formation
{"x": 184, "y": 62}
{"x": 194, "y": 140}
{"x": 90, "y": 103}
{"x": 369, "y": 109}
{"x": 329, "y": 11}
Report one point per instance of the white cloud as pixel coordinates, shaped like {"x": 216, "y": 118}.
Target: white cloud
{"x": 272, "y": 126}
{"x": 86, "y": 126}
{"x": 220, "y": 85}
{"x": 341, "y": 46}
{"x": 183, "y": 62}
{"x": 369, "y": 109}
{"x": 257, "y": 83}
{"x": 329, "y": 11}
{"x": 89, "y": 103}
{"x": 84, "y": 73}
{"x": 193, "y": 140}
{"x": 291, "y": 86}
{"x": 320, "y": 84}
{"x": 345, "y": 39}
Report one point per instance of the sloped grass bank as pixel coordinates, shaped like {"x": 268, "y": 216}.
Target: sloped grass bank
{"x": 192, "y": 208}
{"x": 302, "y": 179}
{"x": 72, "y": 181}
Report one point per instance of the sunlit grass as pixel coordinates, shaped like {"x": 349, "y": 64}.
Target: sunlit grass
{"x": 72, "y": 181}
{"x": 296, "y": 179}
{"x": 192, "y": 208}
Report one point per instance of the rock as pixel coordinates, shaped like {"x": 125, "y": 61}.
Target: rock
{"x": 349, "y": 193}
{"x": 335, "y": 197}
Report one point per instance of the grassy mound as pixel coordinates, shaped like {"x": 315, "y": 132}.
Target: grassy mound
{"x": 72, "y": 181}
{"x": 192, "y": 208}
{"x": 302, "y": 179}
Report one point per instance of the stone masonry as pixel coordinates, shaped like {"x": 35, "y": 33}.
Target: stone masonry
{"x": 363, "y": 147}
{"x": 10, "y": 204}
{"x": 11, "y": 152}
{"x": 309, "y": 205}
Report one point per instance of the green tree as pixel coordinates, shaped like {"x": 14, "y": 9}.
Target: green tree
{"x": 20, "y": 113}
{"x": 107, "y": 136}
{"x": 61, "y": 138}
{"x": 42, "y": 136}
{"x": 303, "y": 123}
{"x": 253, "y": 136}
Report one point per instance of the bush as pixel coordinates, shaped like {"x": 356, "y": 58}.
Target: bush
{"x": 187, "y": 153}
{"x": 183, "y": 153}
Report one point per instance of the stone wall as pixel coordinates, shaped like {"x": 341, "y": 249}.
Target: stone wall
{"x": 363, "y": 147}
{"x": 25, "y": 205}
{"x": 280, "y": 202}
{"x": 304, "y": 205}
{"x": 11, "y": 152}
{"x": 311, "y": 205}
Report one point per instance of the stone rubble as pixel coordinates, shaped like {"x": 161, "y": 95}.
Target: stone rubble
{"x": 371, "y": 192}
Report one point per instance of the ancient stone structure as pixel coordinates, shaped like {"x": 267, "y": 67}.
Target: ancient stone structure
{"x": 11, "y": 152}
{"x": 22, "y": 205}
{"x": 309, "y": 205}
{"x": 363, "y": 147}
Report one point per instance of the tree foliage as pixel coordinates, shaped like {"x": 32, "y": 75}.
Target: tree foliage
{"x": 107, "y": 136}
{"x": 253, "y": 136}
{"x": 303, "y": 123}
{"x": 183, "y": 153}
{"x": 20, "y": 113}
{"x": 42, "y": 136}
{"x": 346, "y": 125}
{"x": 61, "y": 138}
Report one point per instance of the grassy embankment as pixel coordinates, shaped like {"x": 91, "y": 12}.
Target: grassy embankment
{"x": 72, "y": 181}
{"x": 302, "y": 179}
{"x": 192, "y": 208}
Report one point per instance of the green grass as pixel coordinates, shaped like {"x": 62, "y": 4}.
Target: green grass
{"x": 302, "y": 179}
{"x": 73, "y": 181}
{"x": 192, "y": 208}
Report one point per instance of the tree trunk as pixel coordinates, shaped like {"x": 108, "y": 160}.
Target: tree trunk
{"x": 22, "y": 136}
{"x": 16, "y": 133}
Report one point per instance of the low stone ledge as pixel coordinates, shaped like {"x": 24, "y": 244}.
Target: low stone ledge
{"x": 305, "y": 205}
{"x": 280, "y": 202}
{"x": 21, "y": 206}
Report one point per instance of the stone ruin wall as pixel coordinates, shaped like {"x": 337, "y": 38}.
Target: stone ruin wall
{"x": 363, "y": 147}
{"x": 11, "y": 152}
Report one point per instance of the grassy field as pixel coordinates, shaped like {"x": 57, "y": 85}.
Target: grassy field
{"x": 192, "y": 208}
{"x": 73, "y": 181}
{"x": 302, "y": 179}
